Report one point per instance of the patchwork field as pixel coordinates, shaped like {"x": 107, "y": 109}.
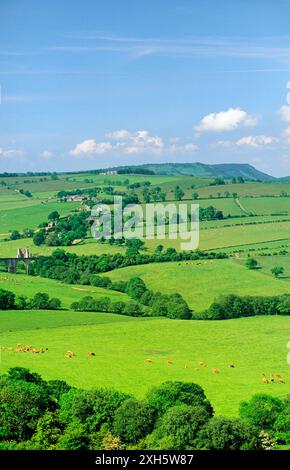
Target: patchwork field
{"x": 122, "y": 344}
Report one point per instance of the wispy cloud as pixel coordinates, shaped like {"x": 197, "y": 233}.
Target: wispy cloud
{"x": 276, "y": 48}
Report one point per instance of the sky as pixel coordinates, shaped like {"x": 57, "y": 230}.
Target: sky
{"x": 98, "y": 83}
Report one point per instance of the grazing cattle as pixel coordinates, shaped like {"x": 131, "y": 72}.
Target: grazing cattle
{"x": 19, "y": 345}
{"x": 277, "y": 375}
{"x": 169, "y": 362}
{"x": 70, "y": 354}
{"x": 148, "y": 360}
{"x": 281, "y": 380}
{"x": 90, "y": 354}
{"x": 214, "y": 370}
{"x": 202, "y": 364}
{"x": 231, "y": 366}
{"x": 264, "y": 380}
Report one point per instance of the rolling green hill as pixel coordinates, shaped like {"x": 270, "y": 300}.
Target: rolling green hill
{"x": 224, "y": 170}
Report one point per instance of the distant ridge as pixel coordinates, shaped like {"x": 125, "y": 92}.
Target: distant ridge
{"x": 223, "y": 170}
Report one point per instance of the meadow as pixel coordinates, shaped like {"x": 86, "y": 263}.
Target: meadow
{"x": 21, "y": 284}
{"x": 122, "y": 344}
{"x": 200, "y": 282}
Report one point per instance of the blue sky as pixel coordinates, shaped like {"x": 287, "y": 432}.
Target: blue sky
{"x": 96, "y": 83}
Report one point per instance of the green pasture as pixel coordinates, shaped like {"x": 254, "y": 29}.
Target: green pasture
{"x": 21, "y": 284}
{"x": 122, "y": 345}
{"x": 200, "y": 282}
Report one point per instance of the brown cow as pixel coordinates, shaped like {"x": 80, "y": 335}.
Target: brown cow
{"x": 202, "y": 364}
{"x": 70, "y": 354}
{"x": 214, "y": 370}
{"x": 281, "y": 381}
{"x": 264, "y": 380}
{"x": 169, "y": 362}
{"x": 90, "y": 354}
{"x": 277, "y": 375}
{"x": 148, "y": 360}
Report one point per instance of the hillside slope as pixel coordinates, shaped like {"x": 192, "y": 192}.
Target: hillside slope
{"x": 224, "y": 170}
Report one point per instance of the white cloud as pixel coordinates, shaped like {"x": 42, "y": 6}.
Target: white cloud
{"x": 256, "y": 140}
{"x": 286, "y": 136}
{"x": 126, "y": 142}
{"x": 91, "y": 147}
{"x": 118, "y": 135}
{"x": 46, "y": 154}
{"x": 229, "y": 120}
{"x": 137, "y": 142}
{"x": 284, "y": 113}
{"x": 10, "y": 152}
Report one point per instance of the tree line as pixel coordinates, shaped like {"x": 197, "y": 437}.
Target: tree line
{"x": 40, "y": 301}
{"x": 235, "y": 306}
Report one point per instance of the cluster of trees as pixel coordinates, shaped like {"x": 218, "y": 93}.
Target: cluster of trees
{"x": 62, "y": 231}
{"x": 145, "y": 302}
{"x": 25, "y": 192}
{"x": 51, "y": 415}
{"x": 238, "y": 180}
{"x": 217, "y": 182}
{"x": 210, "y": 213}
{"x": 70, "y": 268}
{"x": 252, "y": 263}
{"x": 234, "y": 306}
{"x": 16, "y": 235}
{"x": 40, "y": 301}
{"x": 167, "y": 305}
{"x": 105, "y": 304}
{"x": 135, "y": 171}
{"x": 154, "y": 194}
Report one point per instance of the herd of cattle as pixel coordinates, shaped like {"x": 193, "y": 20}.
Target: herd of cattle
{"x": 70, "y": 354}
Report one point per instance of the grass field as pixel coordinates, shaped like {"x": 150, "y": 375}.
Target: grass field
{"x": 200, "y": 282}
{"x": 86, "y": 247}
{"x": 21, "y": 284}
{"x": 122, "y": 344}
{"x": 265, "y": 206}
{"x": 30, "y": 216}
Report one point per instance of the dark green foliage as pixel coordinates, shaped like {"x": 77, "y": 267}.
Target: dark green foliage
{"x": 178, "y": 393}
{"x": 15, "y": 235}
{"x": 7, "y": 299}
{"x": 229, "y": 434}
{"x": 251, "y": 263}
{"x": 262, "y": 410}
{"x": 234, "y": 306}
{"x": 178, "y": 428}
{"x": 21, "y": 405}
{"x": 277, "y": 271}
{"x": 104, "y": 304}
{"x": 75, "y": 437}
{"x": 136, "y": 287}
{"x": 133, "y": 420}
{"x": 48, "y": 431}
